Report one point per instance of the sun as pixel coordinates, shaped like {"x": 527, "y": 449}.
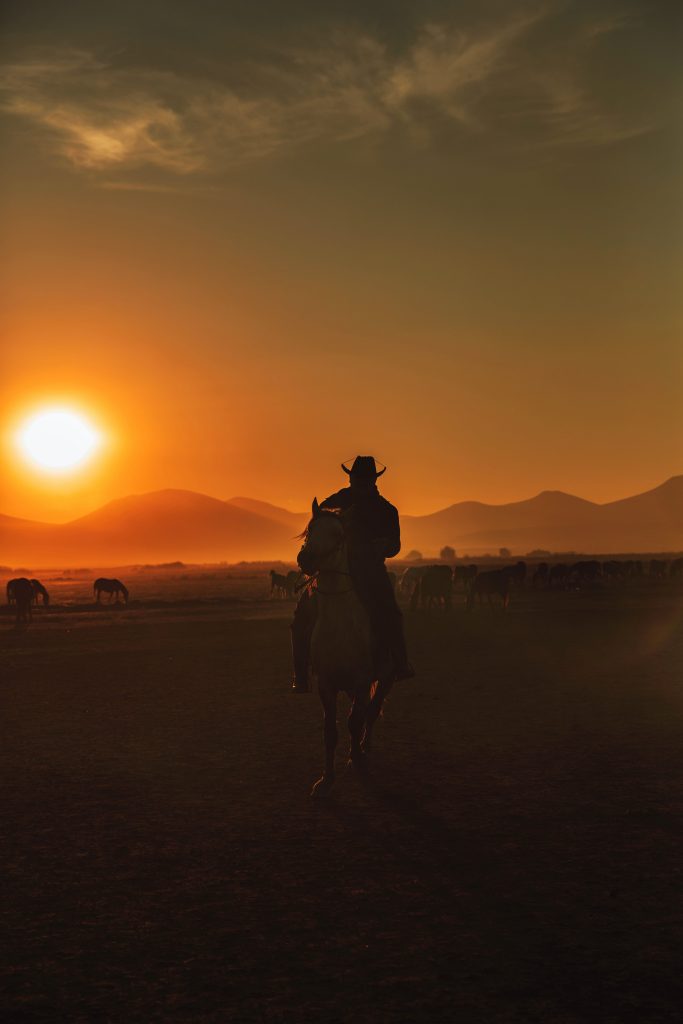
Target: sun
{"x": 58, "y": 440}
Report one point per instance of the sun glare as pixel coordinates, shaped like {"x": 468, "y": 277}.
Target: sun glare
{"x": 57, "y": 440}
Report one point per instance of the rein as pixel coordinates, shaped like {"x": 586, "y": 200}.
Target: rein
{"x": 308, "y": 582}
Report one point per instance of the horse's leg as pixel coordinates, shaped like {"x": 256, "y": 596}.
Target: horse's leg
{"x": 357, "y": 726}
{"x": 329, "y": 701}
{"x": 374, "y": 710}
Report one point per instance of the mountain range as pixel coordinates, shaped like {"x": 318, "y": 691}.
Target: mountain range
{"x": 182, "y": 525}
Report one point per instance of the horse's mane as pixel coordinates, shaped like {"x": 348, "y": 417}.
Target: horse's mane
{"x": 328, "y": 513}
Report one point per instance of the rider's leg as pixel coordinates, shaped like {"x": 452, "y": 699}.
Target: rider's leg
{"x": 387, "y": 620}
{"x": 302, "y": 629}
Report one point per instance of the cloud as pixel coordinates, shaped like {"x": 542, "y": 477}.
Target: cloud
{"x": 495, "y": 79}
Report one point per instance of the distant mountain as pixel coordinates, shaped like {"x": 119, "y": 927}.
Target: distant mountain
{"x": 295, "y": 521}
{"x": 160, "y": 526}
{"x": 652, "y": 521}
{"x": 170, "y": 525}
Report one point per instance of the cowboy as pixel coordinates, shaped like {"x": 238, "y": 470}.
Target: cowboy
{"x": 373, "y": 534}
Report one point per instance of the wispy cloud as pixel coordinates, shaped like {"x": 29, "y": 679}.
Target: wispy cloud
{"x": 495, "y": 78}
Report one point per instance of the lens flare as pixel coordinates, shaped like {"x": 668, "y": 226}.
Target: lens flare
{"x": 57, "y": 440}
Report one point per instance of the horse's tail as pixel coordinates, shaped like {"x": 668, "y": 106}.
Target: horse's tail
{"x": 124, "y": 590}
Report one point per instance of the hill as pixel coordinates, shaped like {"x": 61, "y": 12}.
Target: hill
{"x": 294, "y": 521}
{"x": 160, "y": 526}
{"x": 170, "y": 525}
{"x": 556, "y": 521}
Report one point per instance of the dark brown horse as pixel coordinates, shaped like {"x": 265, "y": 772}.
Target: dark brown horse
{"x": 40, "y": 591}
{"x": 20, "y": 592}
{"x": 495, "y": 581}
{"x": 111, "y": 587}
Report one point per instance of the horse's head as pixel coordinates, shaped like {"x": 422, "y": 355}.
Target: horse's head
{"x": 324, "y": 537}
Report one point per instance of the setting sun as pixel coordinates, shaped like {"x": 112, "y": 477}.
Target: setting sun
{"x": 57, "y": 440}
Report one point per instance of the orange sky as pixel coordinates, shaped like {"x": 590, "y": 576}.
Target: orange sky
{"x": 477, "y": 283}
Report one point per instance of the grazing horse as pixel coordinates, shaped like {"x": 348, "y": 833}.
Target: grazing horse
{"x": 111, "y": 587}
{"x": 40, "y": 591}
{"x": 540, "y": 577}
{"x": 435, "y": 586}
{"x": 278, "y": 584}
{"x": 495, "y": 581}
{"x": 516, "y": 573}
{"x": 559, "y": 574}
{"x": 409, "y": 577}
{"x": 612, "y": 570}
{"x": 342, "y": 643}
{"x": 20, "y": 591}
{"x": 586, "y": 572}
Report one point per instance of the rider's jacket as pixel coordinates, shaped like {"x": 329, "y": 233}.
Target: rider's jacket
{"x": 373, "y": 518}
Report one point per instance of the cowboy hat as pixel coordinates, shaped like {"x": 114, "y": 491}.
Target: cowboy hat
{"x": 364, "y": 466}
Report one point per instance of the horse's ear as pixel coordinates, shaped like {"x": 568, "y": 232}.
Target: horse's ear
{"x": 315, "y": 508}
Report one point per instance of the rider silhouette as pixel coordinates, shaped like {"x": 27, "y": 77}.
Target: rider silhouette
{"x": 373, "y": 534}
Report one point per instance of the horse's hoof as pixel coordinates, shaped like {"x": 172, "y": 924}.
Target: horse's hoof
{"x": 322, "y": 787}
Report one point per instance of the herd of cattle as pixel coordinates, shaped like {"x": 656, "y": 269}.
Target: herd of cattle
{"x": 24, "y": 593}
{"x": 426, "y": 586}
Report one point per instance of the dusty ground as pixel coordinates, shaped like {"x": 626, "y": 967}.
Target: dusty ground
{"x": 515, "y": 857}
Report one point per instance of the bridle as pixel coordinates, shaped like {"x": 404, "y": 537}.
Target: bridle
{"x": 338, "y": 572}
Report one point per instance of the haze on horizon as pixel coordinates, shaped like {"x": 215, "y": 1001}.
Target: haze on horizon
{"x": 250, "y": 243}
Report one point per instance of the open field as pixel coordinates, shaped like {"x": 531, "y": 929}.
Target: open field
{"x": 515, "y": 857}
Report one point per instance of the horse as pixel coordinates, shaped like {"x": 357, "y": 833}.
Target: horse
{"x": 111, "y": 587}
{"x": 516, "y": 573}
{"x": 658, "y": 568}
{"x": 495, "y": 581}
{"x": 559, "y": 573}
{"x": 540, "y": 577}
{"x": 586, "y": 572}
{"x": 434, "y": 586}
{"x": 292, "y": 581}
{"x": 465, "y": 574}
{"x": 342, "y": 644}
{"x": 278, "y": 584}
{"x": 40, "y": 591}
{"x": 409, "y": 577}
{"x": 20, "y": 591}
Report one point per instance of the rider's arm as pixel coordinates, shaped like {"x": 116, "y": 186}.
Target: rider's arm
{"x": 393, "y": 533}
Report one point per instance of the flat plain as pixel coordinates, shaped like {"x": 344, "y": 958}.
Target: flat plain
{"x": 514, "y": 856}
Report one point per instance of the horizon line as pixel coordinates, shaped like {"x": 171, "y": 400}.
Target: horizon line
{"x": 301, "y": 512}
